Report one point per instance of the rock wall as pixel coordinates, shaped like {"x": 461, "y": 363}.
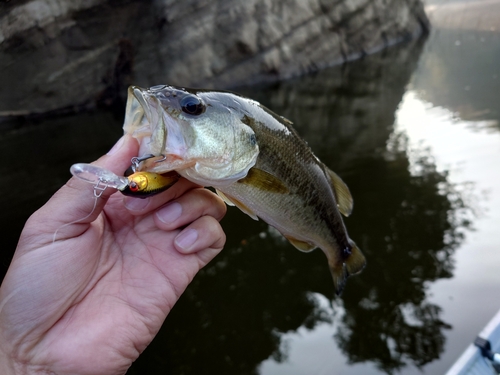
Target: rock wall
{"x": 57, "y": 54}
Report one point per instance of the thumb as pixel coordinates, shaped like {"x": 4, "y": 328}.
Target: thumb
{"x": 75, "y": 201}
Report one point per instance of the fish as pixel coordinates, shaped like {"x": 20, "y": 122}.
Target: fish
{"x": 253, "y": 158}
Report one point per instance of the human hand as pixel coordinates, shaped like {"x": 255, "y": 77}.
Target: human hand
{"x": 92, "y": 300}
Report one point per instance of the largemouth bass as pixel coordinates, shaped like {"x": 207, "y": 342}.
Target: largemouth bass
{"x": 254, "y": 159}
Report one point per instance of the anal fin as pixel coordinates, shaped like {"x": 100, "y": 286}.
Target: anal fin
{"x": 300, "y": 245}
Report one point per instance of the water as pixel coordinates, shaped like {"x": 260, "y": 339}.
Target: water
{"x": 414, "y": 132}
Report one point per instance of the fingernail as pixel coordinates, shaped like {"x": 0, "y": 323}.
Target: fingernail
{"x": 135, "y": 204}
{"x": 170, "y": 213}
{"x": 186, "y": 239}
{"x": 117, "y": 146}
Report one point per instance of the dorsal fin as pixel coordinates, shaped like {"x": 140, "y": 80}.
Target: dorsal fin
{"x": 342, "y": 193}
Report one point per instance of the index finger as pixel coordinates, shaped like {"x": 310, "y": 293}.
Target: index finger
{"x": 74, "y": 202}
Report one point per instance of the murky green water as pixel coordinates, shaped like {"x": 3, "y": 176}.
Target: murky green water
{"x": 414, "y": 132}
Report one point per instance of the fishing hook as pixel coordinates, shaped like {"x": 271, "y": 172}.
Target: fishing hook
{"x": 162, "y": 159}
{"x": 136, "y": 160}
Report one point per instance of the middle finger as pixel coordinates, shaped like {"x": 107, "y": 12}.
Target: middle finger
{"x": 189, "y": 207}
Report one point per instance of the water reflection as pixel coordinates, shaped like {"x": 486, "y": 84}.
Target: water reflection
{"x": 238, "y": 310}
{"x": 462, "y": 74}
{"x": 410, "y": 241}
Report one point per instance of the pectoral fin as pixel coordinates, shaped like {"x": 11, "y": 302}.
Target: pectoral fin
{"x": 263, "y": 180}
{"x": 342, "y": 193}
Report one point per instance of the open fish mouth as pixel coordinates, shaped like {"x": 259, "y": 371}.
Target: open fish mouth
{"x": 137, "y": 113}
{"x": 146, "y": 107}
{"x": 153, "y": 120}
{"x": 144, "y": 120}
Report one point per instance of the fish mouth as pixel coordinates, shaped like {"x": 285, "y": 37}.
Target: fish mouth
{"x": 137, "y": 113}
{"x": 144, "y": 121}
{"x": 149, "y": 122}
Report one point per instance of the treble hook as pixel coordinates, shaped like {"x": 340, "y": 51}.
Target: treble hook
{"x": 162, "y": 159}
{"x": 136, "y": 160}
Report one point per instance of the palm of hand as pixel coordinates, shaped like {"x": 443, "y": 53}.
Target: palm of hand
{"x": 91, "y": 302}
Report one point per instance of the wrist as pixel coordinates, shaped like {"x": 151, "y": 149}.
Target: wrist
{"x": 9, "y": 366}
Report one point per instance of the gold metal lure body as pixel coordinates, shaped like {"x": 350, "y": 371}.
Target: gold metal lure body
{"x": 145, "y": 184}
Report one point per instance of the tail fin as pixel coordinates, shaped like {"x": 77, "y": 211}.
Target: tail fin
{"x": 339, "y": 274}
{"x": 356, "y": 261}
{"x": 354, "y": 264}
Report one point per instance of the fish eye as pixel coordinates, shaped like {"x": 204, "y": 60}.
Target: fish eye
{"x": 192, "y": 105}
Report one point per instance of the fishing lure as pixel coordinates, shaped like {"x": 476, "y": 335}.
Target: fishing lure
{"x": 137, "y": 184}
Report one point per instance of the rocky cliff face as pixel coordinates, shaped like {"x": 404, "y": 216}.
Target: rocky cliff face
{"x": 58, "y": 54}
